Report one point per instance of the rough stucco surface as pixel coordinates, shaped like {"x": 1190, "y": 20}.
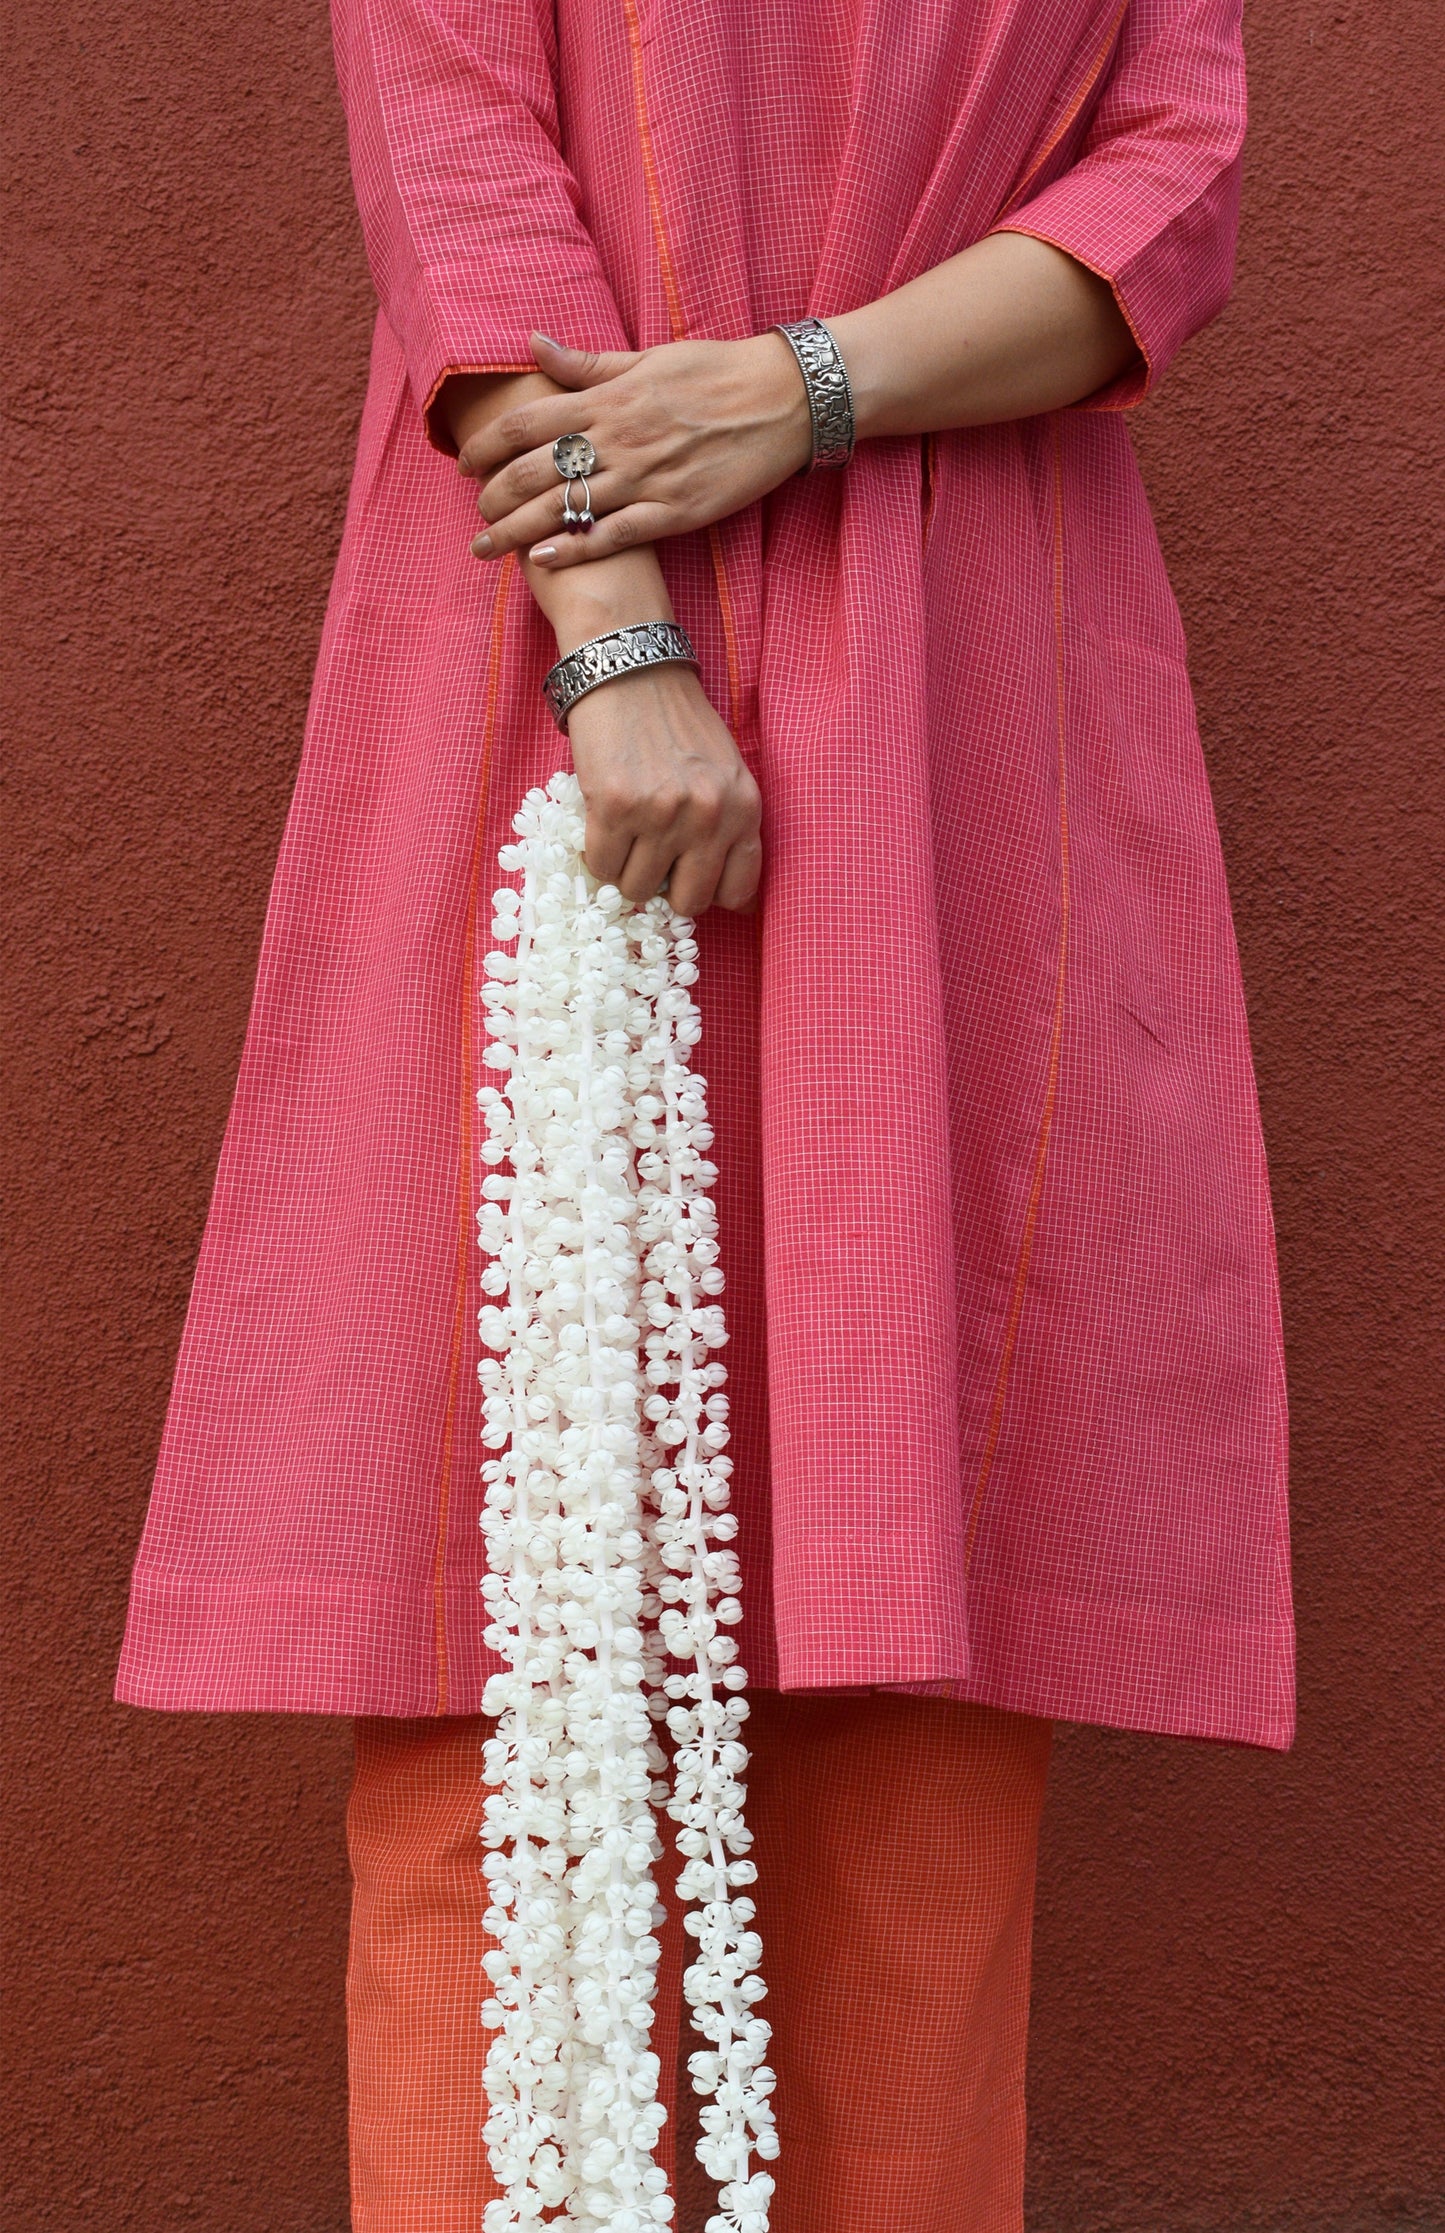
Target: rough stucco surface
{"x": 1233, "y": 2021}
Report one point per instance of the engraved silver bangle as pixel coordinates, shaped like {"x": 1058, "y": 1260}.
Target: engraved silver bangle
{"x": 830, "y": 398}
{"x": 646, "y": 643}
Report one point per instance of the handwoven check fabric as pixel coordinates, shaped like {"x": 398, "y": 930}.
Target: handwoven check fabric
{"x": 896, "y": 1841}
{"x": 1007, "y": 1393}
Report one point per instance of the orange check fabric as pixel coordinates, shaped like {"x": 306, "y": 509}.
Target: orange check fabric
{"x": 896, "y": 1841}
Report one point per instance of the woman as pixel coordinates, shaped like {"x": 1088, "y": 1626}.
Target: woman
{"x": 1005, "y": 1366}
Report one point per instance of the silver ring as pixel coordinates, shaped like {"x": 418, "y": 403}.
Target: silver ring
{"x": 577, "y": 523}
{"x": 574, "y": 458}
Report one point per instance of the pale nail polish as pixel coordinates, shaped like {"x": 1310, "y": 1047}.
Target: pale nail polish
{"x": 543, "y": 552}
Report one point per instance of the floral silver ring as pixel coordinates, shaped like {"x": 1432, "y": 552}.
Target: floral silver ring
{"x": 574, "y": 458}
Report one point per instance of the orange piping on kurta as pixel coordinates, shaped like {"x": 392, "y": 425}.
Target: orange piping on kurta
{"x": 649, "y": 171}
{"x": 678, "y": 324}
{"x": 928, "y": 471}
{"x": 1046, "y": 1121}
{"x": 1090, "y": 81}
{"x": 440, "y": 439}
{"x": 730, "y": 634}
{"x": 465, "y": 1204}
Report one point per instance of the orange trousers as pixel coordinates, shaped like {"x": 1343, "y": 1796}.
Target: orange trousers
{"x": 895, "y": 1839}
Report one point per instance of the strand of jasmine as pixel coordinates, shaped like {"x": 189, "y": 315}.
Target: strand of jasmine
{"x": 575, "y": 1472}
{"x": 544, "y": 1895}
{"x": 508, "y": 2072}
{"x": 509, "y": 2059}
{"x": 512, "y": 2063}
{"x": 568, "y": 943}
{"x": 622, "y": 2094}
{"x": 708, "y": 1793}
{"x": 524, "y": 1873}
{"x": 691, "y": 1473}
{"x": 534, "y": 1087}
{"x": 598, "y": 1392}
{"x": 583, "y": 2059}
{"x": 551, "y": 863}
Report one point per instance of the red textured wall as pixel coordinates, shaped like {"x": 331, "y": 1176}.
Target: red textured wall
{"x": 1233, "y": 2007}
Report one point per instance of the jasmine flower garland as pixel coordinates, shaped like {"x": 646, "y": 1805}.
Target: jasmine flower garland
{"x": 611, "y": 1584}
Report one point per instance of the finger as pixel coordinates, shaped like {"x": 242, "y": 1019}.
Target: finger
{"x": 696, "y": 880}
{"x": 523, "y": 478}
{"x": 581, "y": 368}
{"x": 540, "y": 519}
{"x": 534, "y": 425}
{"x": 614, "y": 531}
{"x": 646, "y": 868}
{"x": 537, "y": 523}
{"x": 606, "y": 844}
{"x": 737, "y": 886}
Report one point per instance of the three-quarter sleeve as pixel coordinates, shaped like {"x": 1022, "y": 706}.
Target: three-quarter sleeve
{"x": 1151, "y": 202}
{"x": 472, "y": 219}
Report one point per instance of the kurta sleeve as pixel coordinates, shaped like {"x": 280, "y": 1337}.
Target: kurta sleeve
{"x": 1152, "y": 201}
{"x": 472, "y": 219}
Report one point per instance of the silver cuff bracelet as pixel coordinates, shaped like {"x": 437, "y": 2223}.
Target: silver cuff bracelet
{"x": 646, "y": 643}
{"x": 830, "y": 398}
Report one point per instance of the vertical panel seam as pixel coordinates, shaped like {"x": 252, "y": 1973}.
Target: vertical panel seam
{"x": 465, "y": 1204}
{"x": 1046, "y": 1120}
{"x": 730, "y": 637}
{"x": 928, "y": 473}
{"x": 1090, "y": 81}
{"x": 677, "y": 323}
{"x": 670, "y": 288}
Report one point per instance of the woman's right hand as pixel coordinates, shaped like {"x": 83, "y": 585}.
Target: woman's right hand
{"x": 669, "y": 798}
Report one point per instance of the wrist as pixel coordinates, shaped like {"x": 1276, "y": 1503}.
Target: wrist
{"x": 635, "y": 648}
{"x": 779, "y": 396}
{"x": 673, "y": 686}
{"x": 586, "y": 601}
{"x": 861, "y": 342}
{"x": 467, "y": 401}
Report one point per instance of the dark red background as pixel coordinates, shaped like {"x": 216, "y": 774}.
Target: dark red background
{"x": 1236, "y": 1981}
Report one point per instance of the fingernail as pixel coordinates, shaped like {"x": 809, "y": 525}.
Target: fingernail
{"x": 544, "y": 553}
{"x": 551, "y": 344}
{"x": 483, "y": 546}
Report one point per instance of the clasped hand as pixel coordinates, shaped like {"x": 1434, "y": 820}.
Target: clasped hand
{"x": 684, "y": 434}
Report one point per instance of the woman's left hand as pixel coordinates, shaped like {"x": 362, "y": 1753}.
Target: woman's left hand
{"x": 684, "y": 434}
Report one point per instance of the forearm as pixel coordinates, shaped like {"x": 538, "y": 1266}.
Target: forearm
{"x": 581, "y": 601}
{"x": 1007, "y": 329}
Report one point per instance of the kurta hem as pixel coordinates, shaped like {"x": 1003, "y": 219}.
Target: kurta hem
{"x": 315, "y": 1651}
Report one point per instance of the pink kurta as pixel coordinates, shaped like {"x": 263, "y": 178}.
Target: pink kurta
{"x": 1005, "y": 1357}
